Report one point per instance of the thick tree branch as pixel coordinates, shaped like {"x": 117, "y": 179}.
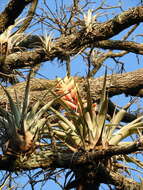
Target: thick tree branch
{"x": 130, "y": 83}
{"x": 74, "y": 43}
{"x": 129, "y": 46}
{"x": 11, "y": 12}
{"x": 106, "y": 30}
{"x": 118, "y": 23}
{"x": 76, "y": 160}
{"x": 121, "y": 182}
{"x": 103, "y": 175}
{"x": 67, "y": 160}
{"x": 30, "y": 58}
{"x": 25, "y": 59}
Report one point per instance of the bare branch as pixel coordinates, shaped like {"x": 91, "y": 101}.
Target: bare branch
{"x": 129, "y": 46}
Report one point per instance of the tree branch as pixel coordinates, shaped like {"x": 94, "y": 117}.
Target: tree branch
{"x": 11, "y": 12}
{"x": 67, "y": 160}
{"x": 121, "y": 182}
{"x": 74, "y": 43}
{"x": 120, "y": 22}
{"x": 30, "y": 58}
{"x": 130, "y": 83}
{"x": 76, "y": 160}
{"x": 129, "y": 46}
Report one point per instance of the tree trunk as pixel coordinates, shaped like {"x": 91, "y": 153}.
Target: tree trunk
{"x": 84, "y": 185}
{"x": 87, "y": 177}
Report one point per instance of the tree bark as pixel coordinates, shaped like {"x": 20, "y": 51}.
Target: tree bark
{"x": 11, "y": 12}
{"x": 130, "y": 84}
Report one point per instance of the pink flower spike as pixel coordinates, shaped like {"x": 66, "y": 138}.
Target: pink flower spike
{"x": 71, "y": 105}
{"x": 68, "y": 97}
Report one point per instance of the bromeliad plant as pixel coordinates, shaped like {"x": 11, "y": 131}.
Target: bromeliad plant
{"x": 80, "y": 125}
{"x": 9, "y": 39}
{"x": 83, "y": 125}
{"x": 19, "y": 127}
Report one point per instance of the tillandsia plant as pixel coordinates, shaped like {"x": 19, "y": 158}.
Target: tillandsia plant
{"x": 83, "y": 125}
{"x": 80, "y": 124}
{"x": 11, "y": 39}
{"x": 47, "y": 43}
{"x": 19, "y": 128}
{"x": 89, "y": 20}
